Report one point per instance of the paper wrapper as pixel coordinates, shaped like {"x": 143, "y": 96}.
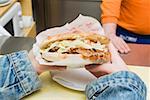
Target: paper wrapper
{"x": 81, "y": 23}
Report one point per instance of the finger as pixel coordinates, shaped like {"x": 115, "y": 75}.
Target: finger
{"x": 94, "y": 68}
{"x": 113, "y": 50}
{"x": 31, "y": 54}
{"x": 99, "y": 74}
{"x": 121, "y": 46}
{"x": 118, "y": 46}
{"x": 91, "y": 66}
{"x": 105, "y": 68}
{"x": 115, "y": 57}
{"x": 127, "y": 49}
{"x": 108, "y": 68}
{"x": 60, "y": 68}
{"x": 47, "y": 67}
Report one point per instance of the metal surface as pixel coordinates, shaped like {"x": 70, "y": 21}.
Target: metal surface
{"x": 13, "y": 44}
{"x": 64, "y": 11}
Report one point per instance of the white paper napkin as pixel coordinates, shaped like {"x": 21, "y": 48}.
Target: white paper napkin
{"x": 76, "y": 79}
{"x": 81, "y": 23}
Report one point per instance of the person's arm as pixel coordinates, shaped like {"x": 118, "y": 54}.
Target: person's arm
{"x": 122, "y": 85}
{"x": 109, "y": 19}
{"x": 110, "y": 11}
{"x": 119, "y": 43}
{"x": 115, "y": 81}
{"x": 17, "y": 76}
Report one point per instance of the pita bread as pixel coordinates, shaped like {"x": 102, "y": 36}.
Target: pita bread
{"x": 87, "y": 46}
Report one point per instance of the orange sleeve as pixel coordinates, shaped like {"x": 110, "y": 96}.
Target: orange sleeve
{"x": 110, "y": 11}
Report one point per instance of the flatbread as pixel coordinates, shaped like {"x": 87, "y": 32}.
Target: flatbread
{"x": 87, "y": 46}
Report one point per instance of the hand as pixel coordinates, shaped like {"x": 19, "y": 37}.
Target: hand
{"x": 41, "y": 68}
{"x": 119, "y": 43}
{"x": 116, "y": 64}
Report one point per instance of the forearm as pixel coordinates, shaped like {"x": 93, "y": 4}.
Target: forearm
{"x": 17, "y": 76}
{"x": 123, "y": 85}
{"x": 110, "y": 29}
{"x": 110, "y": 15}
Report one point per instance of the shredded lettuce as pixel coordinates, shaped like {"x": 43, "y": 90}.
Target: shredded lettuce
{"x": 66, "y": 44}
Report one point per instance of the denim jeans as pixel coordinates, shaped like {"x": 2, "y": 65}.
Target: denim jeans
{"x": 18, "y": 79}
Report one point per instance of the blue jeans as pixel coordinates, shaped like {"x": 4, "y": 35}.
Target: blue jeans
{"x": 18, "y": 79}
{"x": 131, "y": 37}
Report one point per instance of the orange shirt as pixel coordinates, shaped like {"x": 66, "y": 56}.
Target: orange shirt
{"x": 133, "y": 15}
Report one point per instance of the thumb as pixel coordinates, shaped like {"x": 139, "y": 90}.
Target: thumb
{"x": 100, "y": 68}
